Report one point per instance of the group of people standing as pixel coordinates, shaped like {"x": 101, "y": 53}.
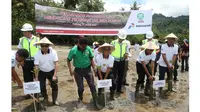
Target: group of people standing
{"x": 108, "y": 61}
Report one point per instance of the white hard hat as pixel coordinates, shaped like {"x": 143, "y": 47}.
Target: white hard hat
{"x": 122, "y": 34}
{"x": 27, "y": 27}
{"x": 149, "y": 35}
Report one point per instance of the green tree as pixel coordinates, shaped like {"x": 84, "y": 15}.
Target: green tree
{"x": 91, "y": 5}
{"x": 122, "y": 9}
{"x": 134, "y": 6}
{"x": 71, "y": 4}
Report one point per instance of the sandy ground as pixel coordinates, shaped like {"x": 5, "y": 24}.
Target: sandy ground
{"x": 172, "y": 102}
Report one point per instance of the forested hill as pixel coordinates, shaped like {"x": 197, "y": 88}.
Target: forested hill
{"x": 162, "y": 26}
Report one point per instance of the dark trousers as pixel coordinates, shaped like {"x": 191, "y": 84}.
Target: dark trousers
{"x": 156, "y": 64}
{"x": 162, "y": 71}
{"x": 86, "y": 73}
{"x": 118, "y": 72}
{"x": 28, "y": 71}
{"x": 125, "y": 72}
{"x": 110, "y": 76}
{"x": 141, "y": 74}
{"x": 42, "y": 78}
{"x": 176, "y": 66}
{"x": 184, "y": 59}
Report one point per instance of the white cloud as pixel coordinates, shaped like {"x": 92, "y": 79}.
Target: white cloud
{"x": 115, "y": 5}
{"x": 166, "y": 7}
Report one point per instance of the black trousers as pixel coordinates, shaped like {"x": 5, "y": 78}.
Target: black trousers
{"x": 86, "y": 73}
{"x": 184, "y": 59}
{"x": 42, "y": 78}
{"x": 110, "y": 76}
{"x": 162, "y": 71}
{"x": 141, "y": 73}
{"x": 118, "y": 72}
{"x": 28, "y": 71}
{"x": 176, "y": 66}
{"x": 125, "y": 72}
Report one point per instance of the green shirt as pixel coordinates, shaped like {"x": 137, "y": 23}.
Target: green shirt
{"x": 80, "y": 59}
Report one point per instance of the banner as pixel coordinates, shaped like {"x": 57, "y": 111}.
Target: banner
{"x": 57, "y": 21}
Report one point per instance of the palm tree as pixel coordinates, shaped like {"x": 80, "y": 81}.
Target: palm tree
{"x": 122, "y": 9}
{"x": 134, "y": 6}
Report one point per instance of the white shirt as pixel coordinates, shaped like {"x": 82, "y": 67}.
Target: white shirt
{"x": 105, "y": 63}
{"x": 146, "y": 58}
{"x": 170, "y": 52}
{"x": 46, "y": 61}
{"x": 13, "y": 59}
{"x": 96, "y": 52}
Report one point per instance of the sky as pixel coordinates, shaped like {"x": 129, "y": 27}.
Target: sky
{"x": 166, "y": 7}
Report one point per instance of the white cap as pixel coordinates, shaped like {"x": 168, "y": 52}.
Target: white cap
{"x": 27, "y": 27}
{"x": 122, "y": 34}
{"x": 149, "y": 35}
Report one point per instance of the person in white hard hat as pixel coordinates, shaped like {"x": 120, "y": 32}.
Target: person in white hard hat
{"x": 169, "y": 53}
{"x": 149, "y": 37}
{"x": 27, "y": 42}
{"x": 145, "y": 58}
{"x": 120, "y": 54}
{"x": 46, "y": 61}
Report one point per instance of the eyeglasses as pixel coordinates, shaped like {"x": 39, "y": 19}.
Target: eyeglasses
{"x": 44, "y": 45}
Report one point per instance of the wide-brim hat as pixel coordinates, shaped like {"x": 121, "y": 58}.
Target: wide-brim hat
{"x": 100, "y": 49}
{"x": 44, "y": 41}
{"x": 171, "y": 35}
{"x": 150, "y": 45}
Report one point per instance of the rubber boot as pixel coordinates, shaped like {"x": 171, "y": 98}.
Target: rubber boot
{"x": 101, "y": 97}
{"x": 137, "y": 90}
{"x": 112, "y": 95}
{"x": 54, "y": 97}
{"x": 151, "y": 91}
{"x": 80, "y": 99}
{"x": 80, "y": 94}
{"x": 142, "y": 86}
{"x": 95, "y": 100}
{"x": 45, "y": 100}
{"x": 161, "y": 92}
{"x": 146, "y": 90}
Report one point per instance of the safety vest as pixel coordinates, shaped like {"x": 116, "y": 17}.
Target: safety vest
{"x": 32, "y": 49}
{"x": 155, "y": 41}
{"x": 120, "y": 50}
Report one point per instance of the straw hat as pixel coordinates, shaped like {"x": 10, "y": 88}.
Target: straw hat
{"x": 100, "y": 49}
{"x": 44, "y": 41}
{"x": 150, "y": 45}
{"x": 171, "y": 35}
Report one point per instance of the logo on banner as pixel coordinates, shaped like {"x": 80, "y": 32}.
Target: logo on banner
{"x": 140, "y": 16}
{"x": 131, "y": 26}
